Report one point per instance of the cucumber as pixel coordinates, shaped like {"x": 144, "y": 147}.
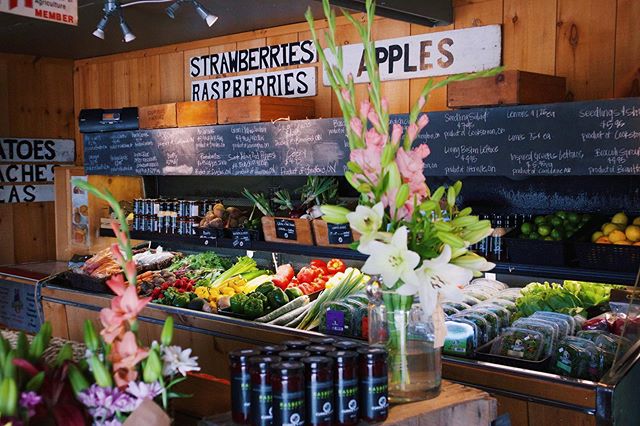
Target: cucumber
{"x": 298, "y": 319}
{"x": 294, "y": 304}
{"x": 289, "y": 316}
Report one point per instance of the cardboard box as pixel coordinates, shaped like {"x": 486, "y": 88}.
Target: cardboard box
{"x": 252, "y": 109}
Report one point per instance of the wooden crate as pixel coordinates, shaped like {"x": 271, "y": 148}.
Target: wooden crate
{"x": 253, "y": 109}
{"x": 510, "y": 87}
{"x": 323, "y": 238}
{"x": 158, "y": 116}
{"x": 287, "y": 230}
{"x": 200, "y": 113}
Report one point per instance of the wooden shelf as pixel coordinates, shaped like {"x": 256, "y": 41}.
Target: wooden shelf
{"x": 542, "y": 271}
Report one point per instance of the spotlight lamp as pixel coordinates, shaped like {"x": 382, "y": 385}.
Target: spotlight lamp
{"x": 207, "y": 16}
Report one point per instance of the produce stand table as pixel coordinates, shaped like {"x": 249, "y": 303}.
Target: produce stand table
{"x": 456, "y": 405}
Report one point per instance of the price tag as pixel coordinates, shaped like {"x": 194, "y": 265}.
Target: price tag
{"x": 208, "y": 236}
{"x": 339, "y": 234}
{"x": 286, "y": 229}
{"x": 241, "y": 238}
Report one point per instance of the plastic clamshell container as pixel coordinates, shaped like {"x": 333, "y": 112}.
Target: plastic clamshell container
{"x": 469, "y": 300}
{"x": 484, "y": 328}
{"x": 478, "y": 293}
{"x": 492, "y": 318}
{"x": 507, "y": 304}
{"x": 591, "y": 334}
{"x": 449, "y": 309}
{"x": 486, "y": 282}
{"x": 519, "y": 343}
{"x": 458, "y": 305}
{"x": 338, "y": 319}
{"x": 579, "y": 358}
{"x": 550, "y": 334}
{"x": 566, "y": 322}
{"x": 461, "y": 338}
{"x": 503, "y": 313}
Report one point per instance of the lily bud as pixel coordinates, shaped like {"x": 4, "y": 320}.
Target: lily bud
{"x": 451, "y": 196}
{"x": 153, "y": 368}
{"x": 428, "y": 206}
{"x": 334, "y": 214}
{"x": 8, "y": 397}
{"x": 402, "y": 196}
{"x": 77, "y": 379}
{"x": 464, "y": 221}
{"x": 465, "y": 212}
{"x": 442, "y": 226}
{"x": 354, "y": 167}
{"x": 453, "y": 240}
{"x": 458, "y": 187}
{"x": 100, "y": 372}
{"x": 395, "y": 180}
{"x": 167, "y": 332}
{"x": 437, "y": 195}
{"x": 351, "y": 179}
{"x": 90, "y": 336}
{"x": 364, "y": 188}
{"x": 388, "y": 153}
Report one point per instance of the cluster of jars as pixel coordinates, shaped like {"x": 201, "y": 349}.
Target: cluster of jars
{"x": 319, "y": 382}
{"x": 169, "y": 216}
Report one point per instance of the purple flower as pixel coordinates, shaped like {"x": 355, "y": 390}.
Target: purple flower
{"x": 29, "y": 400}
{"x": 104, "y": 403}
{"x": 143, "y": 390}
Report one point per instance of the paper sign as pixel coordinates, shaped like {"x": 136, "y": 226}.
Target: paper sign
{"x": 26, "y": 193}
{"x": 24, "y": 150}
{"x": 61, "y": 11}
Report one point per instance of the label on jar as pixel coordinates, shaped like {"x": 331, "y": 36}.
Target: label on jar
{"x": 347, "y": 407}
{"x": 241, "y": 394}
{"x": 375, "y": 404}
{"x": 320, "y": 403}
{"x": 289, "y": 409}
{"x": 261, "y": 402}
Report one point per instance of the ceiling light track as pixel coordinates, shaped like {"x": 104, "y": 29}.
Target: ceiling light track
{"x": 114, "y": 8}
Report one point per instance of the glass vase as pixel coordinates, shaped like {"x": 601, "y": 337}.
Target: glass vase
{"x": 415, "y": 365}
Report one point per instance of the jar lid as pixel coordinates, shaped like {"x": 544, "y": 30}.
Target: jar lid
{"x": 318, "y": 362}
{"x": 287, "y": 368}
{"x": 343, "y": 356}
{"x": 322, "y": 340}
{"x": 272, "y": 349}
{"x": 347, "y": 345}
{"x": 243, "y": 354}
{"x": 320, "y": 349}
{"x": 373, "y": 353}
{"x": 296, "y": 344}
{"x": 290, "y": 355}
{"x": 263, "y": 362}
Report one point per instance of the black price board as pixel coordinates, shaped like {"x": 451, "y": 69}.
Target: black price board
{"x": 240, "y": 238}
{"x": 209, "y": 237}
{"x": 286, "y": 229}
{"x": 591, "y": 138}
{"x": 339, "y": 233}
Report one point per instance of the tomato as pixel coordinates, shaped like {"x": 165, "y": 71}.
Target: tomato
{"x": 286, "y": 271}
{"x": 308, "y": 274}
{"x": 318, "y": 284}
{"x": 320, "y": 264}
{"x": 280, "y": 281}
{"x": 305, "y": 288}
{"x": 336, "y": 265}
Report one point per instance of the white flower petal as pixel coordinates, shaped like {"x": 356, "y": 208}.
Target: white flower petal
{"x": 399, "y": 238}
{"x": 407, "y": 290}
{"x": 379, "y": 210}
{"x": 428, "y": 298}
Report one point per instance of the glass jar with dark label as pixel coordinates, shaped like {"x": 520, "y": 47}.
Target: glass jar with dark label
{"x": 296, "y": 344}
{"x": 241, "y": 384}
{"x": 320, "y": 350}
{"x": 288, "y": 393}
{"x": 347, "y": 345}
{"x": 322, "y": 340}
{"x": 319, "y": 397}
{"x": 272, "y": 349}
{"x": 374, "y": 398}
{"x": 345, "y": 387}
{"x": 261, "y": 389}
{"x": 293, "y": 355}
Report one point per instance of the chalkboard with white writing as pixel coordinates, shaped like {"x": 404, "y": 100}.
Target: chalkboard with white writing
{"x": 566, "y": 139}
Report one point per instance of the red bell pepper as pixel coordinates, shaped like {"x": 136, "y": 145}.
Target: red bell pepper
{"x": 320, "y": 264}
{"x": 336, "y": 265}
{"x": 286, "y": 271}
{"x": 308, "y": 274}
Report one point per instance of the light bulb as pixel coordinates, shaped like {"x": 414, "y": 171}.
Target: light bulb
{"x": 126, "y": 31}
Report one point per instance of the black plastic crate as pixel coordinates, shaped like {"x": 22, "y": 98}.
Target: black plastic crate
{"x": 536, "y": 252}
{"x": 483, "y": 353}
{"x": 82, "y": 282}
{"x": 609, "y": 257}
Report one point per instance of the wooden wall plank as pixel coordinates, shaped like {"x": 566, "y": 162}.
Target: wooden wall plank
{"x": 171, "y": 77}
{"x": 7, "y": 250}
{"x": 475, "y": 13}
{"x": 323, "y": 93}
{"x": 529, "y": 34}
{"x": 627, "y": 53}
{"x": 31, "y": 232}
{"x": 585, "y": 47}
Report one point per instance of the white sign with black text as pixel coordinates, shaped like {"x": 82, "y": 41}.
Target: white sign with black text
{"x": 61, "y": 11}
{"x": 426, "y": 55}
{"x": 27, "y": 150}
{"x": 293, "y": 83}
{"x": 11, "y": 173}
{"x": 26, "y": 193}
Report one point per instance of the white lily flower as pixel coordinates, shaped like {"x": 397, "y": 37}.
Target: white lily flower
{"x": 392, "y": 261}
{"x": 437, "y": 277}
{"x": 177, "y": 360}
{"x": 473, "y": 262}
{"x": 367, "y": 221}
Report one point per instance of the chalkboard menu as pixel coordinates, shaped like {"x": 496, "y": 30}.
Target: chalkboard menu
{"x": 573, "y": 139}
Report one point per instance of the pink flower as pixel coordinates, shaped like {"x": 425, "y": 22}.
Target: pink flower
{"x": 369, "y": 161}
{"x": 414, "y": 128}
{"x": 125, "y": 356}
{"x": 396, "y": 134}
{"x": 423, "y": 121}
{"x": 117, "y": 284}
{"x": 373, "y": 118}
{"x": 345, "y": 95}
{"x": 375, "y": 139}
{"x": 129, "y": 305}
{"x": 125, "y": 306}
{"x": 404, "y": 212}
{"x": 117, "y": 254}
{"x": 421, "y": 102}
{"x": 385, "y": 105}
{"x": 115, "y": 226}
{"x": 113, "y": 324}
{"x": 130, "y": 270}
{"x": 411, "y": 167}
{"x": 365, "y": 107}
{"x": 356, "y": 126}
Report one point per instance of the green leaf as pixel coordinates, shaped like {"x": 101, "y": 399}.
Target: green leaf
{"x": 8, "y": 397}
{"x": 22, "y": 346}
{"x": 35, "y": 382}
{"x": 65, "y": 354}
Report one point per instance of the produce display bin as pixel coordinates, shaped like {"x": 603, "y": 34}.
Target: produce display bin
{"x": 611, "y": 257}
{"x": 329, "y": 235}
{"x": 537, "y": 252}
{"x": 287, "y": 230}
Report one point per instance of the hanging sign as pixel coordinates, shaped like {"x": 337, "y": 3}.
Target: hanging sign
{"x": 426, "y": 55}
{"x": 61, "y": 11}
{"x": 23, "y": 150}
{"x": 12, "y": 173}
{"x": 26, "y": 193}
{"x": 294, "y": 83}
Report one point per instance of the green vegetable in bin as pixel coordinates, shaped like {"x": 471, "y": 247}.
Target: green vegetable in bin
{"x": 237, "y": 303}
{"x": 253, "y": 307}
{"x": 265, "y": 288}
{"x": 277, "y": 298}
{"x": 260, "y": 296}
{"x": 293, "y": 293}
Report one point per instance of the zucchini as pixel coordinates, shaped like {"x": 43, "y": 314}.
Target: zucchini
{"x": 289, "y": 316}
{"x": 298, "y": 319}
{"x": 294, "y": 304}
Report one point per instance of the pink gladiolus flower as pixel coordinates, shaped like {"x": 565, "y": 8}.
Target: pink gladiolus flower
{"x": 413, "y": 131}
{"x": 421, "y": 102}
{"x": 374, "y": 139}
{"x": 125, "y": 356}
{"x": 356, "y": 126}
{"x": 113, "y": 324}
{"x": 369, "y": 161}
{"x": 117, "y": 284}
{"x": 129, "y": 305}
{"x": 385, "y": 105}
{"x": 117, "y": 254}
{"x": 423, "y": 121}
{"x": 411, "y": 166}
{"x": 115, "y": 226}
{"x": 345, "y": 95}
{"x": 396, "y": 134}
{"x": 373, "y": 118}
{"x": 365, "y": 107}
{"x": 403, "y": 212}
{"x": 130, "y": 269}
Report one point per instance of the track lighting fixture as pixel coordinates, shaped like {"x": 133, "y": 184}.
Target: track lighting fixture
{"x": 113, "y": 8}
{"x": 126, "y": 31}
{"x": 207, "y": 16}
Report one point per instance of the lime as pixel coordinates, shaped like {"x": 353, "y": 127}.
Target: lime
{"x": 539, "y": 220}
{"x": 556, "y": 221}
{"x": 561, "y": 214}
{"x": 526, "y": 228}
{"x": 544, "y": 230}
{"x": 534, "y": 236}
{"x": 573, "y": 217}
{"x": 548, "y": 238}
{"x": 557, "y": 234}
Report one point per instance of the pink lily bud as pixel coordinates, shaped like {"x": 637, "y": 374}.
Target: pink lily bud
{"x": 346, "y": 95}
{"x": 396, "y": 134}
{"x": 373, "y": 118}
{"x": 117, "y": 254}
{"x": 356, "y": 126}
{"x": 365, "y": 107}
{"x": 421, "y": 102}
{"x": 423, "y": 121}
{"x": 385, "y": 105}
{"x": 412, "y": 131}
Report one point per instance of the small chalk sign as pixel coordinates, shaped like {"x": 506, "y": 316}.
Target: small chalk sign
{"x": 339, "y": 233}
{"x": 241, "y": 238}
{"x": 286, "y": 229}
{"x": 208, "y": 236}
